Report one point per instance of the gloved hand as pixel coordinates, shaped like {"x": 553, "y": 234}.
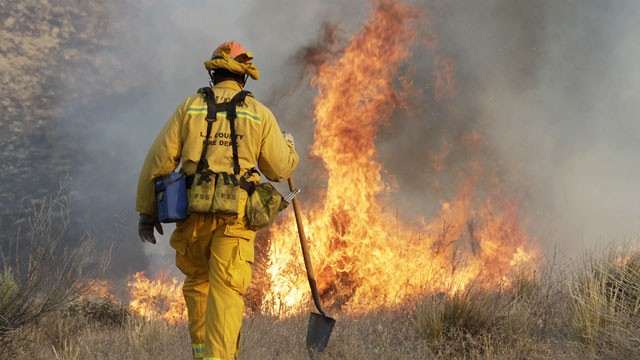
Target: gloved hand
{"x": 288, "y": 138}
{"x": 146, "y": 223}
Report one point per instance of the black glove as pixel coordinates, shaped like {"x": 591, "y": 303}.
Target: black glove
{"x": 146, "y": 223}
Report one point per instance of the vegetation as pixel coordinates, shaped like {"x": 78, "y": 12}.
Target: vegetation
{"x": 606, "y": 303}
{"x": 40, "y": 270}
{"x": 588, "y": 311}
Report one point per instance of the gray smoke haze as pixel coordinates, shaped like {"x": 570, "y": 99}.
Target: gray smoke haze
{"x": 553, "y": 86}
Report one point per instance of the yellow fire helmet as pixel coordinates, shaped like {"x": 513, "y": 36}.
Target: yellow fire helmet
{"x": 233, "y": 57}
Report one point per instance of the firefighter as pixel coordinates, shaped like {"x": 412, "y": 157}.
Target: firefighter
{"x": 215, "y": 251}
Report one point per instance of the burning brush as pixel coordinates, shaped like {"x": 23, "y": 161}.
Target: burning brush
{"x": 363, "y": 258}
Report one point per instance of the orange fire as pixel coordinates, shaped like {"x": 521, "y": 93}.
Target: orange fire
{"x": 97, "y": 289}
{"x": 158, "y": 298}
{"x": 363, "y": 255}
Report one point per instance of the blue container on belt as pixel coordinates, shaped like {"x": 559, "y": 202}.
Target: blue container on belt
{"x": 171, "y": 196}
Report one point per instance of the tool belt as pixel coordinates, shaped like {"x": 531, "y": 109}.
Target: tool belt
{"x": 217, "y": 193}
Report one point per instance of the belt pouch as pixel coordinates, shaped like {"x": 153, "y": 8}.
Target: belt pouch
{"x": 171, "y": 197}
{"x": 202, "y": 190}
{"x": 227, "y": 195}
{"x": 263, "y": 206}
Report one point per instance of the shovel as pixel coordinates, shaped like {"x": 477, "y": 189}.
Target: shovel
{"x": 320, "y": 325}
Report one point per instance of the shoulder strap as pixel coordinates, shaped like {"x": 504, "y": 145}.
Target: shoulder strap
{"x": 203, "y": 164}
{"x": 231, "y": 116}
{"x": 212, "y": 110}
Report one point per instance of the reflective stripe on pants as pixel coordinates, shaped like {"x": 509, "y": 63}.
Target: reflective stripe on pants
{"x": 198, "y": 351}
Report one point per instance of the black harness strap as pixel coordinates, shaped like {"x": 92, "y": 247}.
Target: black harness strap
{"x": 232, "y": 115}
{"x": 212, "y": 110}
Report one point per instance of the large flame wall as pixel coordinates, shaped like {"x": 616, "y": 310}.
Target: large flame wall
{"x": 364, "y": 256}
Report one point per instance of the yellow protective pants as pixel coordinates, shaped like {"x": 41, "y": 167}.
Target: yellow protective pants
{"x": 215, "y": 253}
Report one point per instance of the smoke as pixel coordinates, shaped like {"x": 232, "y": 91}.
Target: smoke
{"x": 553, "y": 84}
{"x": 550, "y": 85}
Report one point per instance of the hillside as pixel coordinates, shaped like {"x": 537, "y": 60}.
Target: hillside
{"x": 49, "y": 57}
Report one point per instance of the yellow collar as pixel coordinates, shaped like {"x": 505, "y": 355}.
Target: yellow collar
{"x": 228, "y": 84}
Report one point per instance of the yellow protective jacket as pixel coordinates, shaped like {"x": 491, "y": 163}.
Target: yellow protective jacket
{"x": 260, "y": 141}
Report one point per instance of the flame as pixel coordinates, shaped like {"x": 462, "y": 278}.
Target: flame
{"x": 158, "y": 298}
{"x": 364, "y": 256}
{"x": 97, "y": 289}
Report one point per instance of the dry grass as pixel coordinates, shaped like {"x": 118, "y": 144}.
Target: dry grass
{"x": 606, "y": 302}
{"x": 389, "y": 334}
{"x": 547, "y": 314}
{"x": 60, "y": 337}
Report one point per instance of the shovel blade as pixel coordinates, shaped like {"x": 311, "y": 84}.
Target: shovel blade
{"x": 319, "y": 331}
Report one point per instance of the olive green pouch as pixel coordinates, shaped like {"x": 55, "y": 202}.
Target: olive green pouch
{"x": 263, "y": 206}
{"x": 201, "y": 199}
{"x": 227, "y": 194}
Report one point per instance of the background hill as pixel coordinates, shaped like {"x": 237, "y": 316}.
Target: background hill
{"x": 47, "y": 62}
{"x": 56, "y": 64}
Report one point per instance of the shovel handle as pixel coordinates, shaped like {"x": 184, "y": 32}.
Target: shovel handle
{"x": 305, "y": 251}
